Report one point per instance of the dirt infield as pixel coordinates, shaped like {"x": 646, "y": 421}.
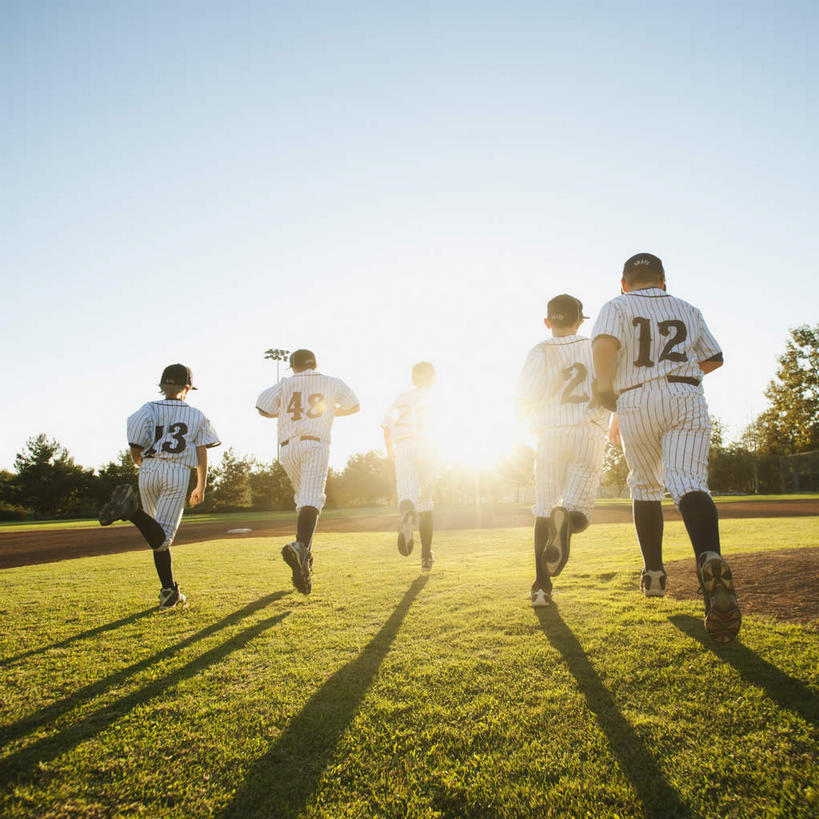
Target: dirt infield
{"x": 778, "y": 584}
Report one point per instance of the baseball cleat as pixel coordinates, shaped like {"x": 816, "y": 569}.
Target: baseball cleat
{"x": 122, "y": 505}
{"x": 722, "y": 614}
{"x": 427, "y": 561}
{"x": 652, "y": 582}
{"x": 539, "y": 597}
{"x": 300, "y": 561}
{"x": 405, "y": 533}
{"x": 556, "y": 552}
{"x": 169, "y": 597}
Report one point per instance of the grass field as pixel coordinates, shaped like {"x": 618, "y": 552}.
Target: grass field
{"x": 391, "y": 693}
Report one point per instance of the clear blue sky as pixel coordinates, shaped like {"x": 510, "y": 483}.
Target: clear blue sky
{"x": 385, "y": 182}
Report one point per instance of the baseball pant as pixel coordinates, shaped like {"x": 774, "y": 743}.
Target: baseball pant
{"x": 163, "y": 487}
{"x": 666, "y": 433}
{"x": 416, "y": 470}
{"x": 306, "y": 464}
{"x": 567, "y": 468}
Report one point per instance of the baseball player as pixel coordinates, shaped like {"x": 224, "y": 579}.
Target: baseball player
{"x": 651, "y": 351}
{"x": 406, "y": 437}
{"x": 306, "y": 404}
{"x": 555, "y": 392}
{"x": 168, "y": 439}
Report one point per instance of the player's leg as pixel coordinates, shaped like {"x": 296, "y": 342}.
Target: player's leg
{"x": 408, "y": 488}
{"x": 313, "y": 458}
{"x": 641, "y": 418}
{"x": 584, "y": 446}
{"x": 172, "y": 482}
{"x": 685, "y": 452}
{"x": 427, "y": 463}
{"x": 124, "y": 505}
{"x": 548, "y": 480}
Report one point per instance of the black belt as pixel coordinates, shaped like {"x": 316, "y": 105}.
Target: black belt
{"x": 672, "y": 379}
{"x": 301, "y": 438}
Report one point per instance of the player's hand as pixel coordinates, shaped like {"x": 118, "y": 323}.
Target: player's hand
{"x": 604, "y": 398}
{"x": 197, "y": 496}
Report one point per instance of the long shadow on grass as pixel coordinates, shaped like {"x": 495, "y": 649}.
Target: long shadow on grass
{"x": 29, "y": 759}
{"x": 55, "y": 710}
{"x": 654, "y": 791}
{"x": 779, "y": 686}
{"x": 281, "y": 782}
{"x": 83, "y": 635}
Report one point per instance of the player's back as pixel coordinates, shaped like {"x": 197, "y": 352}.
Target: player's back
{"x": 307, "y": 404}
{"x": 170, "y": 430}
{"x": 659, "y": 334}
{"x": 556, "y": 383}
{"x": 409, "y": 415}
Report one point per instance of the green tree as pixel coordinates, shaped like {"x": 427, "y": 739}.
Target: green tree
{"x": 790, "y": 424}
{"x": 231, "y": 483}
{"x": 270, "y": 487}
{"x": 367, "y": 479}
{"x": 49, "y": 482}
{"x": 615, "y": 470}
{"x": 116, "y": 472}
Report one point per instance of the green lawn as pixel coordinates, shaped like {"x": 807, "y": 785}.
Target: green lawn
{"x": 391, "y": 693}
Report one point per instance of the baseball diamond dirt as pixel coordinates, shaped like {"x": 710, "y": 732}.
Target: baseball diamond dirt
{"x": 779, "y": 584}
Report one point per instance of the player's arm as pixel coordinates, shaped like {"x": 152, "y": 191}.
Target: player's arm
{"x": 136, "y": 454}
{"x": 267, "y": 414}
{"x": 351, "y": 411}
{"x": 711, "y": 364}
{"x": 605, "y": 349}
{"x": 198, "y": 494}
{"x": 347, "y": 402}
{"x": 388, "y": 443}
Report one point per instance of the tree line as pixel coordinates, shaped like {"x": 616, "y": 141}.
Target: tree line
{"x": 778, "y": 452}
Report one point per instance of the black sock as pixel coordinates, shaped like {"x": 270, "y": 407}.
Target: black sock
{"x": 579, "y": 522}
{"x": 425, "y": 527}
{"x": 648, "y": 521}
{"x": 699, "y": 513}
{"x": 162, "y": 561}
{"x": 306, "y": 525}
{"x": 405, "y": 506}
{"x": 541, "y": 536}
{"x": 151, "y": 530}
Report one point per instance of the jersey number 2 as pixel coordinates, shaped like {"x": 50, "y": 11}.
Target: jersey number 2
{"x": 575, "y": 376}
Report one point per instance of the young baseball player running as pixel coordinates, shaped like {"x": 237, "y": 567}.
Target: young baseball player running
{"x": 306, "y": 405}
{"x": 650, "y": 353}
{"x": 555, "y": 391}
{"x": 168, "y": 439}
{"x": 406, "y": 437}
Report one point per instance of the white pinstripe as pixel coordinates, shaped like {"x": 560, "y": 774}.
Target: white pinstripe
{"x": 555, "y": 386}
{"x": 306, "y": 463}
{"x": 417, "y": 463}
{"x": 168, "y": 433}
{"x": 163, "y": 486}
{"x": 305, "y": 404}
{"x": 664, "y": 426}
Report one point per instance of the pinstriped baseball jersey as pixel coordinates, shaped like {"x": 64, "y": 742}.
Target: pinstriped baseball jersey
{"x": 409, "y": 415}
{"x": 170, "y": 430}
{"x": 659, "y": 334}
{"x": 305, "y": 404}
{"x": 555, "y": 384}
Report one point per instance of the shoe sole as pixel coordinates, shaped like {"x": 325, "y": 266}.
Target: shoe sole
{"x": 301, "y": 581}
{"x": 121, "y": 501}
{"x": 561, "y": 539}
{"x": 180, "y": 598}
{"x": 541, "y": 602}
{"x": 653, "y": 592}
{"x": 405, "y": 534}
{"x": 724, "y": 618}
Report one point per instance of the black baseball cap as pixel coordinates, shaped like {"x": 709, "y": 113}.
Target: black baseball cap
{"x": 177, "y": 375}
{"x": 302, "y": 359}
{"x": 564, "y": 310}
{"x": 641, "y": 264}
